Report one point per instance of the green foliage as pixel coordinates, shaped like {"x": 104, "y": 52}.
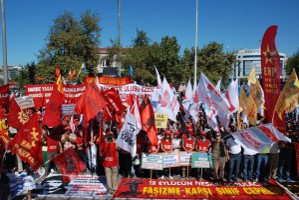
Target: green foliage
{"x": 26, "y": 75}
{"x": 215, "y": 63}
{"x": 142, "y": 40}
{"x": 70, "y": 43}
{"x": 293, "y": 63}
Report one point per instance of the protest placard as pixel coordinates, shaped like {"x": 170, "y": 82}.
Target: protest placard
{"x": 202, "y": 160}
{"x": 171, "y": 159}
{"x": 152, "y": 161}
{"x": 161, "y": 120}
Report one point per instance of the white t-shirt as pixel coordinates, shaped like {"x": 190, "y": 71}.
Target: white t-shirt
{"x": 233, "y": 146}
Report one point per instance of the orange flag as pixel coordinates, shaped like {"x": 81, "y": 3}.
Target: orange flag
{"x": 27, "y": 143}
{"x": 52, "y": 113}
{"x": 148, "y": 120}
{"x": 72, "y": 74}
{"x": 69, "y": 163}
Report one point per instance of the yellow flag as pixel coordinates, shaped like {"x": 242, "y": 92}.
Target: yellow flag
{"x": 257, "y": 94}
{"x": 288, "y": 98}
{"x": 251, "y": 77}
{"x": 249, "y": 107}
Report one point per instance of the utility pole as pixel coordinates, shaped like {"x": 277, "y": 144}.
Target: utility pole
{"x": 119, "y": 37}
{"x": 4, "y": 48}
{"x": 195, "y": 48}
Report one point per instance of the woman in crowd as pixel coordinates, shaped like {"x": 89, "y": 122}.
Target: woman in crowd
{"x": 203, "y": 145}
{"x": 166, "y": 146}
{"x": 188, "y": 145}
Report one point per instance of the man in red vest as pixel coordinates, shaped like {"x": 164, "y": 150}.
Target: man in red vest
{"x": 109, "y": 151}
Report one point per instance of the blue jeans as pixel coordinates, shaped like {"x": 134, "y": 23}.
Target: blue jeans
{"x": 262, "y": 161}
{"x": 248, "y": 167}
{"x": 284, "y": 164}
{"x": 234, "y": 165}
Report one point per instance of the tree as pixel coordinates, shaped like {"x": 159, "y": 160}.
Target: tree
{"x": 165, "y": 56}
{"x": 70, "y": 43}
{"x": 293, "y": 63}
{"x": 141, "y": 40}
{"x": 215, "y": 63}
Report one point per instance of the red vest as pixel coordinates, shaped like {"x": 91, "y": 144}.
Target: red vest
{"x": 188, "y": 143}
{"x": 53, "y": 145}
{"x": 203, "y": 146}
{"x": 167, "y": 146}
{"x": 109, "y": 150}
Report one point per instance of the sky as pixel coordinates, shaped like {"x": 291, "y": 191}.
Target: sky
{"x": 237, "y": 24}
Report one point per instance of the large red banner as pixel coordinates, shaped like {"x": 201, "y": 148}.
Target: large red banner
{"x": 193, "y": 189}
{"x": 108, "y": 80}
{"x": 270, "y": 63}
{"x": 41, "y": 93}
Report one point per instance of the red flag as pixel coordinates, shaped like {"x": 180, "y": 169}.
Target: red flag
{"x": 52, "y": 113}
{"x": 4, "y": 96}
{"x": 16, "y": 117}
{"x": 4, "y": 137}
{"x": 27, "y": 143}
{"x": 270, "y": 63}
{"x": 148, "y": 120}
{"x": 113, "y": 100}
{"x": 69, "y": 164}
{"x": 90, "y": 103}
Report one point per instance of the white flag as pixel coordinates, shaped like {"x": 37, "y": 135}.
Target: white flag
{"x": 213, "y": 99}
{"x": 188, "y": 96}
{"x": 127, "y": 136}
{"x": 168, "y": 103}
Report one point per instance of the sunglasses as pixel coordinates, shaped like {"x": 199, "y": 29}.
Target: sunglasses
{"x": 218, "y": 135}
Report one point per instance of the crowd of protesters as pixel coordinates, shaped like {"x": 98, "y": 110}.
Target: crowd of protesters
{"x": 97, "y": 148}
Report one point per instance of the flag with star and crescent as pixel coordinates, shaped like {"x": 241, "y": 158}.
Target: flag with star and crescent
{"x": 27, "y": 143}
{"x": 270, "y": 64}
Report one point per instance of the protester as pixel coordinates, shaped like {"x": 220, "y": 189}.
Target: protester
{"x": 234, "y": 158}
{"x": 203, "y": 145}
{"x": 188, "y": 144}
{"x": 285, "y": 160}
{"x": 109, "y": 151}
{"x": 28, "y": 181}
{"x": 261, "y": 165}
{"x": 166, "y": 146}
{"x": 4, "y": 181}
{"x": 248, "y": 164}
{"x": 219, "y": 156}
{"x": 81, "y": 148}
{"x": 273, "y": 161}
{"x": 68, "y": 139}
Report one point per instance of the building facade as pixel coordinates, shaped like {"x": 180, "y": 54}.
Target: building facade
{"x": 248, "y": 58}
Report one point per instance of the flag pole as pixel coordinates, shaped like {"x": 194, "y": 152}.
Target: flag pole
{"x": 195, "y": 48}
{"x": 4, "y": 46}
